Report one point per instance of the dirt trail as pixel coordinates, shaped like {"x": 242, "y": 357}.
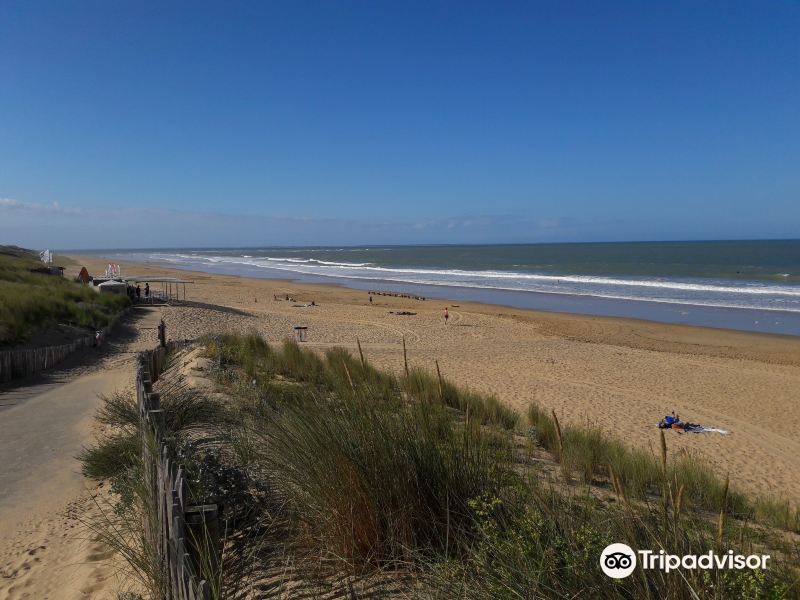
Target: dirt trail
{"x": 45, "y": 553}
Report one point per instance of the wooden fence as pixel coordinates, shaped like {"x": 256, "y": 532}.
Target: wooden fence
{"x": 21, "y": 363}
{"x": 24, "y": 362}
{"x": 185, "y": 536}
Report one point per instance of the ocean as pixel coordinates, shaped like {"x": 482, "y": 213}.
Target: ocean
{"x": 749, "y": 285}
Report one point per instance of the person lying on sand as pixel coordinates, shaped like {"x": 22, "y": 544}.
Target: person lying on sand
{"x": 670, "y": 422}
{"x": 673, "y": 422}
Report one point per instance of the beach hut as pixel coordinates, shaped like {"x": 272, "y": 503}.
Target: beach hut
{"x": 112, "y": 286}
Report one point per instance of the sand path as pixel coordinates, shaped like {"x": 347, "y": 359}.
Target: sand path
{"x": 45, "y": 552}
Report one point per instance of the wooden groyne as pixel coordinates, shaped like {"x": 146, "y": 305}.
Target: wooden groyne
{"x": 395, "y": 295}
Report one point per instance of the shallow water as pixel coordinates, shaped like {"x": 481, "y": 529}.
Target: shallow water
{"x": 748, "y": 285}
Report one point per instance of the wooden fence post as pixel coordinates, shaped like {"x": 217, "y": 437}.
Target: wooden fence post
{"x": 361, "y": 353}
{"x": 439, "y": 376}
{"x": 203, "y": 534}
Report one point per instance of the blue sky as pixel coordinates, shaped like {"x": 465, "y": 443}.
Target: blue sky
{"x": 260, "y": 123}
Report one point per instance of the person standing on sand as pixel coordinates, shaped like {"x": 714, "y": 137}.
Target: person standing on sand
{"x": 446, "y": 315}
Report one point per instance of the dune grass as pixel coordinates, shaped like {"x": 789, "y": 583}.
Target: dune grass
{"x": 592, "y": 454}
{"x": 551, "y": 550}
{"x": 116, "y": 451}
{"x": 372, "y": 483}
{"x": 427, "y": 387}
{"x": 349, "y": 470}
{"x": 111, "y": 457}
{"x": 31, "y": 302}
{"x": 777, "y": 513}
{"x": 351, "y": 453}
{"x": 192, "y": 423}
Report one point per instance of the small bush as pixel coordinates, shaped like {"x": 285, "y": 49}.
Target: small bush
{"x": 551, "y": 550}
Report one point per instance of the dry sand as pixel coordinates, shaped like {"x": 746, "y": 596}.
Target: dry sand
{"x": 621, "y": 375}
{"x": 48, "y": 548}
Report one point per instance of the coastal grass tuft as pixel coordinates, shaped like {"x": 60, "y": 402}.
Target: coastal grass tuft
{"x": 782, "y": 514}
{"x": 428, "y": 388}
{"x": 112, "y": 456}
{"x": 551, "y": 550}
{"x": 371, "y": 482}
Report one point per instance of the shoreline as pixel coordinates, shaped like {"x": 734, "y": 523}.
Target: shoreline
{"x": 742, "y": 339}
{"x": 715, "y": 316}
{"x": 618, "y": 374}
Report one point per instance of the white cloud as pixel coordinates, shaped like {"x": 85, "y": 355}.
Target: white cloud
{"x": 59, "y": 226}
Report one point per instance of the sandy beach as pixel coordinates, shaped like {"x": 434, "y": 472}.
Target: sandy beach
{"x": 617, "y": 374}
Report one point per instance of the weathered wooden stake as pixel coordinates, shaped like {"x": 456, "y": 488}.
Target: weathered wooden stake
{"x": 405, "y": 355}
{"x": 558, "y": 433}
{"x": 361, "y": 353}
{"x": 439, "y": 376}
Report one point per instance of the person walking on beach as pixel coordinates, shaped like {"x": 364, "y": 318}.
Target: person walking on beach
{"x": 146, "y": 291}
{"x": 446, "y": 315}
{"x": 138, "y": 292}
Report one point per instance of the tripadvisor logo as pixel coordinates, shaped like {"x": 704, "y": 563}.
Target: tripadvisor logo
{"x": 619, "y": 560}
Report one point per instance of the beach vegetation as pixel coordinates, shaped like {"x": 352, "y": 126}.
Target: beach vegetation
{"x": 595, "y": 456}
{"x": 330, "y": 472}
{"x": 33, "y": 302}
